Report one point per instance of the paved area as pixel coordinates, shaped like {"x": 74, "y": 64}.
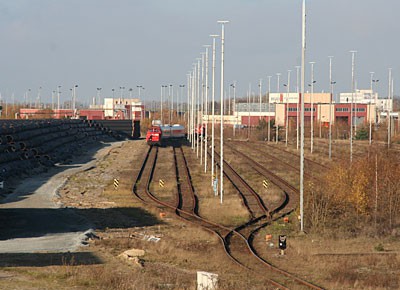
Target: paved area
{"x": 30, "y": 221}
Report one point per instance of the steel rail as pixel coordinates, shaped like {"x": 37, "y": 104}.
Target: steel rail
{"x": 141, "y": 190}
{"x": 253, "y": 226}
{"x": 227, "y": 236}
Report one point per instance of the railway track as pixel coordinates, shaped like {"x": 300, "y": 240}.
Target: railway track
{"x": 236, "y": 242}
{"x": 292, "y": 193}
{"x": 247, "y": 231}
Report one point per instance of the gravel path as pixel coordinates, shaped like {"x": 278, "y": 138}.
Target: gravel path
{"x": 30, "y": 220}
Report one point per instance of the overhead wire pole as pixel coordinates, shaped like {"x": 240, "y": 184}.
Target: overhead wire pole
{"x": 214, "y": 36}
{"x": 353, "y": 52}
{"x": 222, "y": 22}
{"x": 303, "y": 56}
{"x": 206, "y": 105}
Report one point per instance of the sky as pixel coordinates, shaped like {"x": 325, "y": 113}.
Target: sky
{"x": 128, "y": 43}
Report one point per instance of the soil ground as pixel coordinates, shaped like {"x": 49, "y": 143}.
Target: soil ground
{"x": 174, "y": 250}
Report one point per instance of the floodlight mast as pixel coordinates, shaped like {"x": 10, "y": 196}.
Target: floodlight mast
{"x": 353, "y": 52}
{"x": 331, "y": 83}
{"x": 222, "y": 22}
{"x": 303, "y": 54}
{"x": 214, "y": 36}
{"x": 206, "y": 110}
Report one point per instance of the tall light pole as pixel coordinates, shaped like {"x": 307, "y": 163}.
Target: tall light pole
{"x": 303, "y": 56}
{"x": 180, "y": 101}
{"x": 187, "y": 113}
{"x": 214, "y": 36}
{"x": 287, "y": 107}
{"x": 297, "y": 106}
{"x": 234, "y": 107}
{"x": 248, "y": 111}
{"x": 98, "y": 96}
{"x": 206, "y": 110}
{"x": 121, "y": 96}
{"x": 222, "y": 22}
{"x": 74, "y": 97}
{"x": 371, "y": 78}
{"x": 139, "y": 89}
{"x": 39, "y": 97}
{"x": 269, "y": 108}
{"x": 28, "y": 98}
{"x": 369, "y": 111}
{"x": 198, "y": 103}
{"x": 331, "y": 83}
{"x": 375, "y": 82}
{"x": 353, "y": 52}
{"x": 161, "y": 103}
{"x": 389, "y": 108}
{"x": 278, "y": 75}
{"x": 58, "y": 97}
{"x": 193, "y": 116}
{"x": 52, "y": 99}
{"x": 202, "y": 107}
{"x": 312, "y": 105}
{"x": 260, "y": 86}
{"x": 171, "y": 106}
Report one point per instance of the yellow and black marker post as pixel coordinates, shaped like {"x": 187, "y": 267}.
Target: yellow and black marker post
{"x": 116, "y": 183}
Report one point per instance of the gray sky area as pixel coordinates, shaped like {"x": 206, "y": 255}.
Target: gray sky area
{"x": 114, "y": 43}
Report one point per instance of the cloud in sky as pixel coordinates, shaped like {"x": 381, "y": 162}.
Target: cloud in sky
{"x": 108, "y": 44}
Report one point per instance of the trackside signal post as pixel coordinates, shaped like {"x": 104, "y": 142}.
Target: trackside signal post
{"x": 282, "y": 244}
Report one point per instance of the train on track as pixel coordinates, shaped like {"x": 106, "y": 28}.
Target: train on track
{"x": 162, "y": 134}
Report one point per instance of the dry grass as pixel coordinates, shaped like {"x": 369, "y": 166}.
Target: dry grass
{"x": 231, "y": 212}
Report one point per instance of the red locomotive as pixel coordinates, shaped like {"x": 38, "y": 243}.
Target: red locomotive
{"x": 153, "y": 136}
{"x": 158, "y": 135}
